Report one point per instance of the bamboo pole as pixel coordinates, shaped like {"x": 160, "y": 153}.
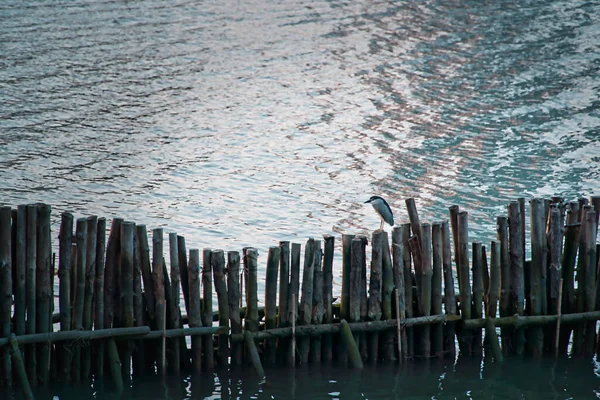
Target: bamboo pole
{"x": 492, "y": 340}
{"x": 90, "y": 276}
{"x": 64, "y": 267}
{"x": 346, "y": 280}
{"x": 194, "y": 319}
{"x": 589, "y": 264}
{"x": 183, "y": 271}
{"x": 466, "y": 337}
{"x": 5, "y": 290}
{"x": 253, "y": 353}
{"x": 399, "y": 283}
{"x": 81, "y": 238}
{"x": 305, "y": 311}
{"x": 534, "y": 320}
{"x": 252, "y": 290}
{"x": 284, "y": 279}
{"x": 449, "y": 293}
{"x": 30, "y": 289}
{"x": 218, "y": 267}
{"x": 477, "y": 311}
{"x": 158, "y": 283}
{"x": 174, "y": 310}
{"x": 44, "y": 301}
{"x": 355, "y": 280}
{"x": 318, "y": 309}
{"x": 505, "y": 274}
{"x": 568, "y": 267}
{"x": 19, "y": 368}
{"x": 293, "y": 291}
{"x": 114, "y": 364}
{"x": 558, "y": 320}
{"x": 233, "y": 297}
{"x": 99, "y": 293}
{"x": 453, "y": 211}
{"x": 554, "y": 270}
{"x": 139, "y": 355}
{"x": 328, "y": 294}
{"x": 374, "y": 310}
{"x": 20, "y": 263}
{"x": 426, "y": 284}
{"x": 363, "y": 298}
{"x": 127, "y": 255}
{"x": 408, "y": 286}
{"x": 517, "y": 279}
{"x": 351, "y": 345}
{"x": 207, "y": 309}
{"x": 494, "y": 290}
{"x": 538, "y": 266}
{"x": 271, "y": 303}
{"x": 437, "y": 331}
{"x": 387, "y": 289}
{"x": 113, "y": 246}
{"x": 142, "y": 234}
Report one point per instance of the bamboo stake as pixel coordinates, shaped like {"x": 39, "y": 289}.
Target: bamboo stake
{"x": 399, "y": 319}
{"x": 142, "y": 234}
{"x": 183, "y": 271}
{"x": 90, "y": 276}
{"x": 589, "y": 265}
{"x": 559, "y": 315}
{"x": 466, "y": 337}
{"x": 362, "y": 338}
{"x": 387, "y": 288}
{"x": 99, "y": 293}
{"x": 158, "y": 281}
{"x": 453, "y": 211}
{"x": 293, "y": 296}
{"x": 437, "y": 332}
{"x": 568, "y": 266}
{"x": 252, "y": 290}
{"x": 233, "y": 297}
{"x": 65, "y": 244}
{"x": 163, "y": 358}
{"x": 517, "y": 283}
{"x": 408, "y": 287}
{"x": 218, "y": 266}
{"x": 305, "y": 312}
{"x": 5, "y": 290}
{"x": 271, "y": 303}
{"x": 505, "y": 274}
{"x": 127, "y": 246}
{"x": 374, "y": 313}
{"x": 351, "y": 346}
{"x": 207, "y": 309}
{"x": 253, "y": 353}
{"x": 174, "y": 310}
{"x": 293, "y": 347}
{"x": 555, "y": 241}
{"x": 19, "y": 368}
{"x": 477, "y": 311}
{"x": 426, "y": 283}
{"x": 43, "y": 285}
{"x": 492, "y": 340}
{"x": 194, "y": 319}
{"x": 81, "y": 238}
{"x": 112, "y": 266}
{"x": 20, "y": 262}
{"x": 318, "y": 309}
{"x": 449, "y": 293}
{"x": 284, "y": 279}
{"x": 538, "y": 266}
{"x": 114, "y": 364}
{"x": 328, "y": 294}
{"x": 346, "y": 280}
{"x": 139, "y": 356}
{"x": 494, "y": 290}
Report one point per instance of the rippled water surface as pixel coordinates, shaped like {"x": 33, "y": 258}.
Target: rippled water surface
{"x": 249, "y": 122}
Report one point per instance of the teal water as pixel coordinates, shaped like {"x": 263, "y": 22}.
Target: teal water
{"x": 246, "y": 123}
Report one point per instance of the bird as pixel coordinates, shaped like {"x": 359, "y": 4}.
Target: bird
{"x": 382, "y": 208}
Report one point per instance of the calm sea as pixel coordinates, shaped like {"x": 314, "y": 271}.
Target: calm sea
{"x": 243, "y": 123}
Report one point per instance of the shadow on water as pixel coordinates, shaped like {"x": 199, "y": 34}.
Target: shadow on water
{"x": 516, "y": 378}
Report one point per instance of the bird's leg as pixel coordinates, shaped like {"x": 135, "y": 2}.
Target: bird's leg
{"x": 381, "y": 226}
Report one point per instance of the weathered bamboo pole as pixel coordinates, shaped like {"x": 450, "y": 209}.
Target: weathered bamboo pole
{"x": 114, "y": 364}
{"x": 554, "y": 270}
{"x": 363, "y": 346}
{"x": 318, "y": 309}
{"x": 158, "y": 284}
{"x": 43, "y": 285}
{"x": 271, "y": 303}
{"x": 207, "y": 309}
{"x": 174, "y": 310}
{"x": 31, "y": 253}
{"x": 486, "y": 277}
{"x": 399, "y": 283}
{"x": 99, "y": 293}
{"x": 568, "y": 271}
{"x": 351, "y": 345}
{"x": 492, "y": 340}
{"x": 183, "y": 271}
{"x": 426, "y": 285}
{"x": 517, "y": 278}
{"x": 328, "y": 294}
{"x": 252, "y": 290}
{"x": 233, "y": 298}
{"x": 538, "y": 266}
{"x": 5, "y": 290}
{"x": 64, "y": 268}
{"x": 477, "y": 311}
{"x": 113, "y": 246}
{"x": 305, "y": 311}
{"x": 19, "y": 368}
{"x": 453, "y": 211}
{"x": 142, "y": 234}
{"x": 127, "y": 255}
{"x": 90, "y": 276}
{"x": 81, "y": 238}
{"x": 415, "y": 224}
{"x": 589, "y": 264}
{"x": 346, "y": 280}
{"x": 20, "y": 263}
{"x": 408, "y": 287}
{"x": 494, "y": 290}
{"x": 356, "y": 261}
{"x": 284, "y": 280}
{"x": 534, "y": 320}
{"x": 505, "y": 274}
{"x": 218, "y": 267}
{"x": 466, "y": 337}
{"x": 374, "y": 302}
{"x": 194, "y": 319}
{"x": 558, "y": 321}
{"x": 293, "y": 291}
{"x": 437, "y": 331}
{"x": 387, "y": 288}
{"x": 139, "y": 355}
{"x": 253, "y": 353}
{"x": 449, "y": 293}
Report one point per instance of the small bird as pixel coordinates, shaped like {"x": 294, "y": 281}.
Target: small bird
{"x": 382, "y": 208}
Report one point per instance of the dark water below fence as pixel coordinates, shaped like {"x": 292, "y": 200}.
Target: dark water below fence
{"x": 245, "y": 123}
{"x": 468, "y": 379}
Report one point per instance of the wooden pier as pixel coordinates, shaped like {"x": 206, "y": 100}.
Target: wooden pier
{"x": 119, "y": 313}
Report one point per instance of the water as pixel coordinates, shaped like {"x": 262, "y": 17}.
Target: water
{"x": 246, "y": 123}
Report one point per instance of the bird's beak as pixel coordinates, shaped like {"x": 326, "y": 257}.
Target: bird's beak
{"x": 368, "y": 201}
